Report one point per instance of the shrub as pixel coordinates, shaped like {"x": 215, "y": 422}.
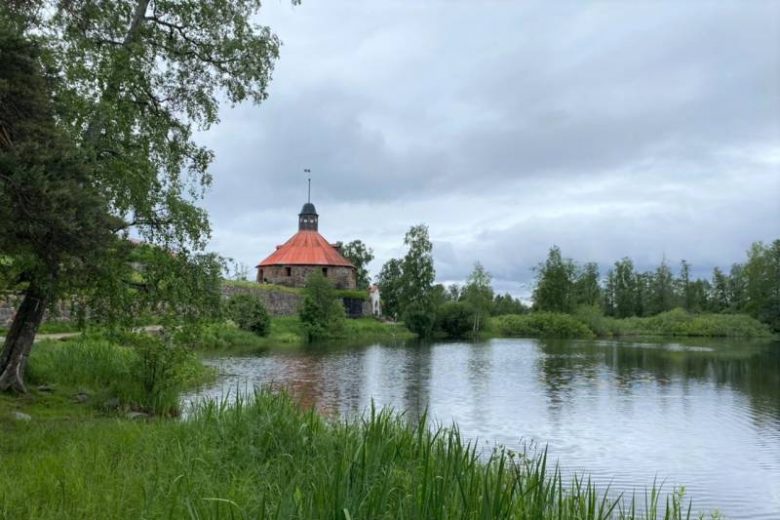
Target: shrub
{"x": 541, "y": 325}
{"x": 142, "y": 372}
{"x": 322, "y": 313}
{"x": 419, "y": 319}
{"x": 248, "y": 312}
{"x": 455, "y": 319}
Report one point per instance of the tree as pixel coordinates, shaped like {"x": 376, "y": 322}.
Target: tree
{"x": 686, "y": 287}
{"x": 762, "y": 283}
{"x": 586, "y": 285}
{"x": 360, "y": 256}
{"x": 322, "y": 313}
{"x": 453, "y": 292}
{"x": 624, "y": 282}
{"x": 662, "y": 297}
{"x": 478, "y": 293}
{"x": 554, "y": 283}
{"x": 135, "y": 79}
{"x": 506, "y": 304}
{"x": 248, "y": 312}
{"x": 417, "y": 277}
{"x": 455, "y": 319}
{"x": 719, "y": 299}
{"x": 389, "y": 281}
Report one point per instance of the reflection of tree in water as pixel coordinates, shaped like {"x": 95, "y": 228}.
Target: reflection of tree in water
{"x": 749, "y": 367}
{"x": 559, "y": 365}
{"x": 416, "y": 380}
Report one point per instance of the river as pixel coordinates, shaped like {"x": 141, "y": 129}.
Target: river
{"x": 702, "y": 414}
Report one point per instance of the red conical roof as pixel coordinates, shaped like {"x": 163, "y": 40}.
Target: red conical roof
{"x": 306, "y": 247}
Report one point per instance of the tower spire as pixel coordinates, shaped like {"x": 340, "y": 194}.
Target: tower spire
{"x": 307, "y": 170}
{"x": 307, "y": 218}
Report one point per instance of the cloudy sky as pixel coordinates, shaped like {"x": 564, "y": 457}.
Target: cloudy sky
{"x": 610, "y": 129}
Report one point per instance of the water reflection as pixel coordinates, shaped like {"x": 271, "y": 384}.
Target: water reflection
{"x": 705, "y": 414}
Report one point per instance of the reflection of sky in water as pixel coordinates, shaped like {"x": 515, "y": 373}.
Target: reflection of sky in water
{"x": 705, "y": 415}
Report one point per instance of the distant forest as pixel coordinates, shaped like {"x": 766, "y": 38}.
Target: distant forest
{"x": 751, "y": 287}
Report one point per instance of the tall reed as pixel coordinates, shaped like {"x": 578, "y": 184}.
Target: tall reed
{"x": 267, "y": 458}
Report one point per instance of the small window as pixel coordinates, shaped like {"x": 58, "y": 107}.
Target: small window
{"x": 324, "y": 271}
{"x": 288, "y": 271}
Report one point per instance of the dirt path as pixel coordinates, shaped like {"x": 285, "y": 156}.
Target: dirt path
{"x": 66, "y": 335}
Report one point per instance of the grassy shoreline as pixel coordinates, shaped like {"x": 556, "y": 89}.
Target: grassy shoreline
{"x": 265, "y": 457}
{"x": 268, "y": 458}
{"x": 587, "y": 324}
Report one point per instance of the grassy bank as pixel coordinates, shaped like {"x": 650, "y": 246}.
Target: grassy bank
{"x": 589, "y": 323}
{"x": 269, "y": 459}
{"x": 286, "y": 332}
{"x": 108, "y": 374}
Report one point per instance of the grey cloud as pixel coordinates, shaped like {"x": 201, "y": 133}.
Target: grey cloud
{"x": 609, "y": 129}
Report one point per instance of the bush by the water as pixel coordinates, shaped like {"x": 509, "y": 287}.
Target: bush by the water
{"x": 419, "y": 318}
{"x": 140, "y": 372}
{"x": 588, "y": 321}
{"x": 322, "y": 313}
{"x": 678, "y": 322}
{"x": 455, "y": 319}
{"x": 540, "y": 325}
{"x": 268, "y": 458}
{"x": 248, "y": 312}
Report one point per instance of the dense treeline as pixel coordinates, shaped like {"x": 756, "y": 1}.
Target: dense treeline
{"x": 566, "y": 287}
{"x": 752, "y": 287}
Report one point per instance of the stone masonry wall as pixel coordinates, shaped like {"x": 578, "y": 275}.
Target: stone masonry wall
{"x": 278, "y": 303}
{"x": 9, "y": 302}
{"x": 340, "y": 277}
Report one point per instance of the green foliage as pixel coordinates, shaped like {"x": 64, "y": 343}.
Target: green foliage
{"x": 587, "y": 290}
{"x": 137, "y": 371}
{"x": 248, "y": 312}
{"x": 554, "y": 290}
{"x": 478, "y": 293}
{"x": 389, "y": 281}
{"x": 540, "y": 325}
{"x": 218, "y": 336}
{"x": 322, "y": 313}
{"x": 353, "y": 294}
{"x": 417, "y": 277}
{"x": 455, "y": 319}
{"x": 678, "y": 322}
{"x": 419, "y": 318}
{"x": 268, "y": 458}
{"x": 97, "y": 122}
{"x": 506, "y": 304}
{"x": 360, "y": 255}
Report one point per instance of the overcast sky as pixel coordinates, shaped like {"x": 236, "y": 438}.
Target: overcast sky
{"x": 610, "y": 129}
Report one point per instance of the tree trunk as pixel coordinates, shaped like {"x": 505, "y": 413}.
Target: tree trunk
{"x": 19, "y": 340}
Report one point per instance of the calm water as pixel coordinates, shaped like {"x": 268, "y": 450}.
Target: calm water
{"x": 703, "y": 414}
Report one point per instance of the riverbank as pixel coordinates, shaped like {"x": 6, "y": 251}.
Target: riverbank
{"x": 285, "y": 333}
{"x": 588, "y": 323}
{"x": 269, "y": 458}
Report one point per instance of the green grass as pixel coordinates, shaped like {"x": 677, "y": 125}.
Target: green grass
{"x": 246, "y": 284}
{"x": 539, "y": 325}
{"x": 286, "y": 332}
{"x": 588, "y": 322}
{"x": 117, "y": 373}
{"x": 679, "y": 323}
{"x": 267, "y": 458}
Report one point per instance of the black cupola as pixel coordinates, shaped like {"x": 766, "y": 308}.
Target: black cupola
{"x": 307, "y": 218}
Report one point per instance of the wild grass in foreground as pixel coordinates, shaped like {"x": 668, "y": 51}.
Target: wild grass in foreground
{"x": 267, "y": 458}
{"x": 117, "y": 372}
